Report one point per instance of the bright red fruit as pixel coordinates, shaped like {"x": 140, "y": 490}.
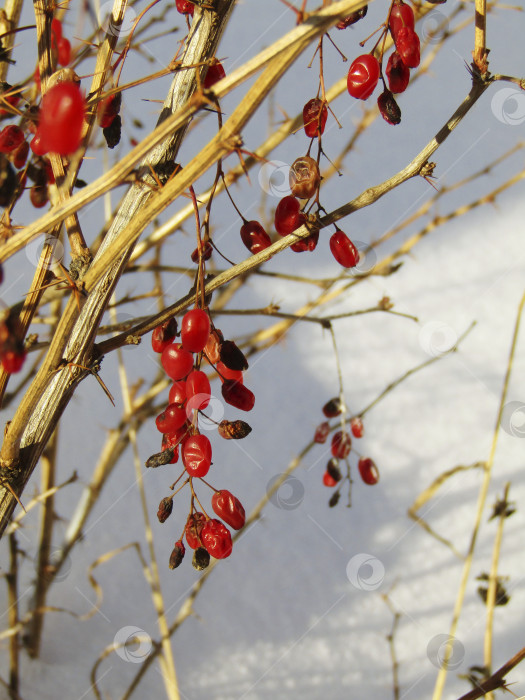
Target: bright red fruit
{"x": 177, "y": 393}
{"x": 226, "y": 373}
{"x": 341, "y": 445}
{"x": 166, "y": 444}
{"x": 198, "y": 391}
{"x": 368, "y": 470}
{"x": 306, "y": 244}
{"x": 363, "y": 76}
{"x": 255, "y": 237}
{"x": 11, "y": 137}
{"x": 62, "y": 118}
{"x": 216, "y": 539}
{"x": 56, "y": 29}
{"x": 356, "y": 426}
{"x": 196, "y": 455}
{"x": 398, "y": 73}
{"x": 329, "y": 480}
{"x": 185, "y": 7}
{"x": 343, "y": 250}
{"x": 287, "y": 215}
{"x": 321, "y": 433}
{"x": 194, "y": 526}
{"x": 236, "y": 394}
{"x": 315, "y": 114}
{"x": 37, "y": 145}
{"x": 12, "y": 361}
{"x": 401, "y": 15}
{"x": 64, "y": 51}
{"x": 195, "y": 330}
{"x": 215, "y": 73}
{"x": 172, "y": 418}
{"x": 408, "y": 47}
{"x": 229, "y": 508}
{"x": 108, "y": 108}
{"x": 177, "y": 362}
{"x": 164, "y": 335}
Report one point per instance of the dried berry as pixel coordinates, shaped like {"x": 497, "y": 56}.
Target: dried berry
{"x": 160, "y": 458}
{"x": 305, "y": 177}
{"x": 165, "y": 508}
{"x": 177, "y": 555}
{"x": 232, "y": 357}
{"x": 201, "y": 559}
{"x": 389, "y": 108}
{"x": 233, "y": 429}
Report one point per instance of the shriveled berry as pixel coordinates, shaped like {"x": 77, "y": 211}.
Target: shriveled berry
{"x": 305, "y": 177}
{"x": 343, "y": 250}
{"x": 201, "y": 559}
{"x": 165, "y": 508}
{"x": 398, "y": 73}
{"x": 236, "y": 394}
{"x": 38, "y": 196}
{"x": 334, "y": 499}
{"x": 363, "y": 76}
{"x": 233, "y": 429}
{"x": 332, "y": 468}
{"x": 388, "y": 107}
{"x": 229, "y": 509}
{"x": 113, "y": 132}
{"x": 232, "y": 357}
{"x": 160, "y": 458}
{"x": 321, "y": 433}
{"x": 356, "y": 426}
{"x": 255, "y": 237}
{"x": 287, "y": 215}
{"x": 217, "y": 539}
{"x": 196, "y": 455}
{"x": 177, "y": 362}
{"x": 306, "y": 244}
{"x": 212, "y": 347}
{"x": 408, "y": 47}
{"x": 353, "y": 18}
{"x": 193, "y": 529}
{"x": 164, "y": 335}
{"x": 315, "y": 114}
{"x": 195, "y": 329}
{"x": 368, "y": 471}
{"x": 332, "y": 408}
{"x": 341, "y": 445}
{"x": 177, "y": 555}
{"x": 174, "y": 451}
{"x": 215, "y": 73}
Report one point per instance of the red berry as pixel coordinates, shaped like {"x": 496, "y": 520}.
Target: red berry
{"x": 229, "y": 508}
{"x": 388, "y": 107}
{"x": 38, "y": 196}
{"x": 214, "y": 74}
{"x": 20, "y": 155}
{"x": 306, "y": 244}
{"x": 11, "y": 137}
{"x": 255, "y": 237}
{"x": 332, "y": 408}
{"x": 194, "y": 527}
{"x": 341, "y": 445}
{"x": 196, "y": 455}
{"x": 164, "y": 335}
{"x": 401, "y": 15}
{"x": 287, "y": 215}
{"x": 64, "y": 51}
{"x": 62, "y": 118}
{"x": 108, "y": 108}
{"x": 177, "y": 362}
{"x": 329, "y": 480}
{"x": 185, "y": 7}
{"x": 408, "y": 47}
{"x": 37, "y": 145}
{"x": 175, "y": 438}
{"x": 172, "y": 418}
{"x": 356, "y": 426}
{"x": 368, "y": 471}
{"x": 212, "y": 347}
{"x": 12, "y": 360}
{"x": 343, "y": 250}
{"x": 207, "y": 250}
{"x": 56, "y": 29}
{"x": 363, "y": 76}
{"x": 321, "y": 433}
{"x": 226, "y": 373}
{"x": 195, "y": 330}
{"x": 236, "y": 394}
{"x": 332, "y": 468}
{"x": 315, "y": 114}
{"x": 217, "y": 539}
{"x": 166, "y": 445}
{"x": 398, "y": 73}
{"x": 177, "y": 393}
{"x": 353, "y": 18}
{"x": 198, "y": 391}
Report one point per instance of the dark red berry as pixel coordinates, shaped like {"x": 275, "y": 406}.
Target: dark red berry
{"x": 229, "y": 509}
{"x": 216, "y": 539}
{"x": 343, "y": 250}
{"x": 353, "y": 18}
{"x": 306, "y": 244}
{"x": 315, "y": 114}
{"x": 108, "y": 108}
{"x": 214, "y": 74}
{"x": 398, "y": 73}
{"x": 195, "y": 329}
{"x": 62, "y": 118}
{"x": 341, "y": 445}
{"x": 287, "y": 215}
{"x": 305, "y": 177}
{"x": 401, "y": 15}
{"x": 236, "y": 394}
{"x": 165, "y": 508}
{"x": 196, "y": 455}
{"x": 177, "y": 555}
{"x": 408, "y": 47}
{"x": 232, "y": 357}
{"x": 164, "y": 335}
{"x": 321, "y": 433}
{"x": 207, "y": 250}
{"x": 363, "y": 76}
{"x": 185, "y": 7}
{"x": 12, "y": 360}
{"x": 368, "y": 471}
{"x": 356, "y": 426}
{"x": 388, "y": 107}
{"x": 193, "y": 530}
{"x": 11, "y": 137}
{"x": 172, "y": 418}
{"x": 38, "y": 196}
{"x": 255, "y": 237}
{"x": 332, "y": 408}
{"x": 177, "y": 362}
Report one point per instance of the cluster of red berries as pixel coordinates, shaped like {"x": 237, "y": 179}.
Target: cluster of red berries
{"x": 340, "y": 448}
{"x": 365, "y": 70}
{"x": 189, "y": 396}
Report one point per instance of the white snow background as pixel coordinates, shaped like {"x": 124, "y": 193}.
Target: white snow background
{"x": 296, "y": 611}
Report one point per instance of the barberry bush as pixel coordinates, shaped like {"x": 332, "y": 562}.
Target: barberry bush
{"x": 204, "y": 218}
